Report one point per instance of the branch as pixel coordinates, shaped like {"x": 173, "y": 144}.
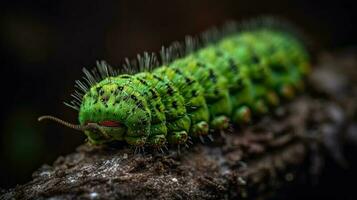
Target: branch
{"x": 251, "y": 162}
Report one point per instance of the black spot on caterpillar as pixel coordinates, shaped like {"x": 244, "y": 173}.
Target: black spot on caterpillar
{"x": 236, "y": 72}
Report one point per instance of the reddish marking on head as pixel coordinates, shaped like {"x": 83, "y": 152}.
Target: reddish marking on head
{"x": 110, "y": 123}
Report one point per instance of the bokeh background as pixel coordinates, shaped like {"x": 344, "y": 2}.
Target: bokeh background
{"x": 45, "y": 44}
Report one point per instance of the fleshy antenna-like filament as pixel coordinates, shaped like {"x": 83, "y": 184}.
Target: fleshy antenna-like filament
{"x": 89, "y": 126}
{"x": 60, "y": 121}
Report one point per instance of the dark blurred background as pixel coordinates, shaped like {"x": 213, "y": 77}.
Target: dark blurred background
{"x": 45, "y": 44}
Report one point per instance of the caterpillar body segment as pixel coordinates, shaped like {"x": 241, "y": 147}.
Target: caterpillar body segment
{"x": 239, "y": 76}
{"x": 192, "y": 92}
{"x": 174, "y": 108}
{"x": 215, "y": 90}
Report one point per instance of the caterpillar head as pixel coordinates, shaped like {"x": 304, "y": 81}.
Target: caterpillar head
{"x": 112, "y": 110}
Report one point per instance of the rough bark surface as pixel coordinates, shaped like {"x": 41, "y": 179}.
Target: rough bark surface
{"x": 250, "y": 162}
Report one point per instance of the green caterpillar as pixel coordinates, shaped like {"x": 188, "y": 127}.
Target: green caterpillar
{"x": 235, "y": 75}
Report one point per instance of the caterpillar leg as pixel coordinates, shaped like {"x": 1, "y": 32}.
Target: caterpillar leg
{"x": 220, "y": 122}
{"x": 273, "y": 98}
{"x": 242, "y": 115}
{"x": 158, "y": 134}
{"x": 157, "y": 140}
{"x": 135, "y": 141}
{"x": 260, "y": 106}
{"x": 178, "y": 137}
{"x": 305, "y": 68}
{"x": 300, "y": 86}
{"x": 200, "y": 128}
{"x": 94, "y": 138}
{"x": 178, "y": 130}
{"x": 220, "y": 110}
{"x": 199, "y": 122}
{"x": 287, "y": 91}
